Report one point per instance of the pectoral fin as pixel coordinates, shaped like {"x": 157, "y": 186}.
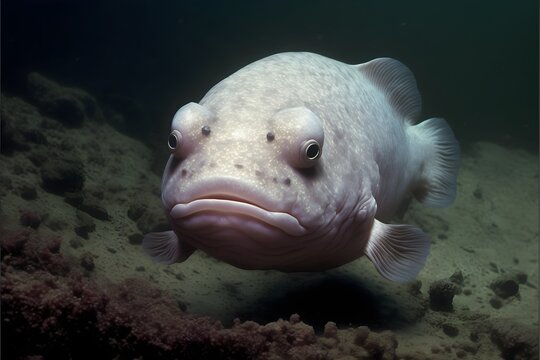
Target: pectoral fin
{"x": 398, "y": 252}
{"x": 166, "y": 248}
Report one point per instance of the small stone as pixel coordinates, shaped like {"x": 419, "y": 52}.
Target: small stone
{"x": 505, "y": 286}
{"x": 469, "y": 347}
{"x": 493, "y": 267}
{"x": 414, "y": 287}
{"x": 28, "y": 192}
{"x": 75, "y": 243}
{"x": 56, "y": 224}
{"x": 515, "y": 340}
{"x": 182, "y": 305}
{"x": 135, "y": 239}
{"x": 62, "y": 175}
{"x": 85, "y": 225}
{"x": 87, "y": 261}
{"x": 179, "y": 275}
{"x": 460, "y": 353}
{"x": 135, "y": 211}
{"x": 30, "y": 219}
{"x": 330, "y": 329}
{"x": 89, "y": 203}
{"x": 496, "y": 302}
{"x": 294, "y": 319}
{"x": 441, "y": 295}
{"x": 95, "y": 210}
{"x": 330, "y": 343}
{"x": 519, "y": 276}
{"x": 361, "y": 333}
{"x": 457, "y": 278}
{"x": 74, "y": 198}
{"x": 153, "y": 221}
{"x": 450, "y": 330}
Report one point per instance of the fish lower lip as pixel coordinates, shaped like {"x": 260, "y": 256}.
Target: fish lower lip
{"x": 281, "y": 220}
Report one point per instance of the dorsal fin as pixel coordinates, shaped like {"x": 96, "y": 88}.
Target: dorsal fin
{"x": 398, "y": 83}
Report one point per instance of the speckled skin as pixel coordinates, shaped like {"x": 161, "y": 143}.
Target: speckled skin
{"x": 366, "y": 168}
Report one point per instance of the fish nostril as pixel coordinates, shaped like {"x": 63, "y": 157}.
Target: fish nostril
{"x": 184, "y": 172}
{"x": 239, "y": 166}
{"x": 287, "y": 181}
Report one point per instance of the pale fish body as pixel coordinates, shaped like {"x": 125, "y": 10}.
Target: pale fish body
{"x": 296, "y": 161}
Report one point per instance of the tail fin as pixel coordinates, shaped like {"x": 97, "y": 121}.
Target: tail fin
{"x": 439, "y": 154}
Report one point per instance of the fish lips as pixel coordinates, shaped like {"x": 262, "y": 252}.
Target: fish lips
{"x": 229, "y": 207}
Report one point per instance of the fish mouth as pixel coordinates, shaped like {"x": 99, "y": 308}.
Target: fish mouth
{"x": 238, "y": 207}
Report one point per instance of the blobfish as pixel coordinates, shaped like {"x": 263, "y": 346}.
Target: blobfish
{"x": 298, "y": 162}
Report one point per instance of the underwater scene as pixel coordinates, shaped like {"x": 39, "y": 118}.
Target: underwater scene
{"x": 300, "y": 180}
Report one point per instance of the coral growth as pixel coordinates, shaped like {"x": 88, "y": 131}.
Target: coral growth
{"x": 50, "y": 309}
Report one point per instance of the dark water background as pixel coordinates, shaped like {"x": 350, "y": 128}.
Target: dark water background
{"x": 476, "y": 62}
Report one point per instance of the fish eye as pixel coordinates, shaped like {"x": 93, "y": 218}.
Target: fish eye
{"x": 308, "y": 153}
{"x": 311, "y": 149}
{"x": 175, "y": 140}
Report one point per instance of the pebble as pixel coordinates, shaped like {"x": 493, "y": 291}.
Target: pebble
{"x": 441, "y": 295}
{"x": 330, "y": 329}
{"x": 87, "y": 261}
{"x": 62, "y": 175}
{"x": 87, "y": 203}
{"x": 457, "y": 278}
{"x": 75, "y": 243}
{"x": 496, "y": 302}
{"x": 135, "y": 239}
{"x": 361, "y": 333}
{"x": 85, "y": 225}
{"x": 294, "y": 319}
{"x": 135, "y": 211}
{"x": 28, "y": 192}
{"x": 31, "y": 219}
{"x": 95, "y": 210}
{"x": 505, "y": 286}
{"x": 450, "y": 330}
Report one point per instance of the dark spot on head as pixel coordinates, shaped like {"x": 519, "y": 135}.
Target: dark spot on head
{"x": 183, "y": 173}
{"x": 258, "y": 173}
{"x": 274, "y": 180}
{"x": 239, "y": 166}
{"x": 270, "y": 136}
{"x": 287, "y": 181}
{"x": 205, "y": 130}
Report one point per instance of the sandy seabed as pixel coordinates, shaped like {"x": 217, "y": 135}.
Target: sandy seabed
{"x": 76, "y": 196}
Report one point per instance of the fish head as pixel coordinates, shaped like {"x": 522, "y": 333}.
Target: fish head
{"x": 250, "y": 188}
